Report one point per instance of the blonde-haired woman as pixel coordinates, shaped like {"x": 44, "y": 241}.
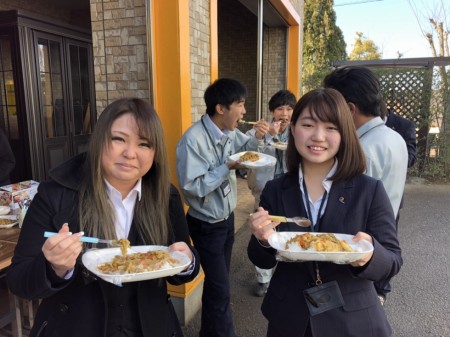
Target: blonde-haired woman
{"x": 119, "y": 189}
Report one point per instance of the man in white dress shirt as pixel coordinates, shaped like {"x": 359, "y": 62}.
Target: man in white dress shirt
{"x": 385, "y": 150}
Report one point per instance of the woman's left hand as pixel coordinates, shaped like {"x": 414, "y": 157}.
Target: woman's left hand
{"x": 366, "y": 258}
{"x": 183, "y": 248}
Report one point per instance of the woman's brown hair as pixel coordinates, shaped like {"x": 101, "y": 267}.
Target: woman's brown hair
{"x": 328, "y": 105}
{"x": 151, "y": 213}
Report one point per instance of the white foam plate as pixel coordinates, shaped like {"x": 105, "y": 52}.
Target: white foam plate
{"x": 5, "y": 210}
{"x": 264, "y": 160}
{"x": 12, "y": 218}
{"x": 9, "y": 225}
{"x": 92, "y": 258}
{"x": 279, "y": 145}
{"x": 296, "y": 253}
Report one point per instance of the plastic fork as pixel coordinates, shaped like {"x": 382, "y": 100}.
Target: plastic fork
{"x": 87, "y": 239}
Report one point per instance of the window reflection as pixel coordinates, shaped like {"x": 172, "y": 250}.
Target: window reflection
{"x": 80, "y": 89}
{"x": 8, "y": 107}
{"x": 52, "y": 88}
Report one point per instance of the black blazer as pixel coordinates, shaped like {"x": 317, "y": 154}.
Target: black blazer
{"x": 360, "y": 204}
{"x": 407, "y": 130}
{"x": 78, "y": 306}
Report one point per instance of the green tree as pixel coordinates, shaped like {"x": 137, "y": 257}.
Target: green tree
{"x": 323, "y": 42}
{"x": 364, "y": 49}
{"x": 433, "y": 18}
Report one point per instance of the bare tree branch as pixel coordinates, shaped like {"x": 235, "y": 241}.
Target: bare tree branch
{"x": 447, "y": 51}
{"x": 429, "y": 38}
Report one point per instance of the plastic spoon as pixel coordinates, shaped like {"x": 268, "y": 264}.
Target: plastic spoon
{"x": 298, "y": 220}
{"x": 89, "y": 239}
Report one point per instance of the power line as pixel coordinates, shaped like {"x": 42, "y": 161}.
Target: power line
{"x": 355, "y": 3}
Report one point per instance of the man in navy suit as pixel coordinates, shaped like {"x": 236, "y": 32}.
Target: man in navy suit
{"x": 407, "y": 130}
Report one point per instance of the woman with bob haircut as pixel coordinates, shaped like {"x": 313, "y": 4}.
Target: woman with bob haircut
{"x": 119, "y": 189}
{"x": 325, "y": 182}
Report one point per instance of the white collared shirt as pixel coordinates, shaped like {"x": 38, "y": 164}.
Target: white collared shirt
{"x": 123, "y": 208}
{"x": 219, "y": 135}
{"x": 314, "y": 206}
{"x": 387, "y": 158}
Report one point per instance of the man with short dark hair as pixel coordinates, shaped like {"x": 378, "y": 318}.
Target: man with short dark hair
{"x": 385, "y": 149}
{"x": 207, "y": 180}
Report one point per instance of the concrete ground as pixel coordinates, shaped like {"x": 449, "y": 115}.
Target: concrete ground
{"x": 419, "y": 305}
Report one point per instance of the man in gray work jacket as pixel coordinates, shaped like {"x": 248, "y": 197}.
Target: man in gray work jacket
{"x": 207, "y": 180}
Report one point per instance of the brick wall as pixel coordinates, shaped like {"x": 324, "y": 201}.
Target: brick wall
{"x": 238, "y": 53}
{"x": 120, "y": 50}
{"x": 274, "y": 65}
{"x": 199, "y": 19}
{"x": 238, "y": 47}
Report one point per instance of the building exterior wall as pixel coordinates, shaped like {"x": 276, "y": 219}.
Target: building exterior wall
{"x": 274, "y": 65}
{"x": 200, "y": 35}
{"x": 120, "y": 48}
{"x": 299, "y": 6}
{"x": 238, "y": 48}
{"x": 50, "y": 10}
{"x": 119, "y": 38}
{"x": 38, "y": 7}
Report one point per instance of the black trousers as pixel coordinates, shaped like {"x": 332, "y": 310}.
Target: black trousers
{"x": 214, "y": 243}
{"x": 272, "y": 332}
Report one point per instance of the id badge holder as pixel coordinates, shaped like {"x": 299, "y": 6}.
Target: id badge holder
{"x": 323, "y": 297}
{"x": 225, "y": 188}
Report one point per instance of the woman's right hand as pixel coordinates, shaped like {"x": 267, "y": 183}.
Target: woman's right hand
{"x": 62, "y": 250}
{"x": 260, "y": 224}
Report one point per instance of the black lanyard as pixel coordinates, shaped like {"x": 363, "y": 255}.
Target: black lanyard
{"x": 308, "y": 208}
{"x": 280, "y": 159}
{"x": 319, "y": 218}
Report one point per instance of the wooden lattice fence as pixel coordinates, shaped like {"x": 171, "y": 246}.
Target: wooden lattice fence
{"x": 407, "y": 91}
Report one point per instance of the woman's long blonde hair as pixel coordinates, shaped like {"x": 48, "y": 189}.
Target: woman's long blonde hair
{"x": 151, "y": 213}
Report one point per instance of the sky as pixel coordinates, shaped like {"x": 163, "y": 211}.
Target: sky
{"x": 391, "y": 24}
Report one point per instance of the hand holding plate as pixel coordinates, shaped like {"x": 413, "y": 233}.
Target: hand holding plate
{"x": 366, "y": 258}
